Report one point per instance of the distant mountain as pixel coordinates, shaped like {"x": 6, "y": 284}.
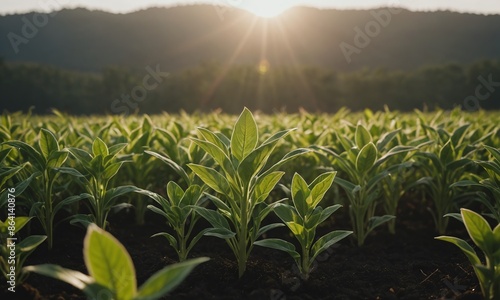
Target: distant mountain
{"x": 181, "y": 37}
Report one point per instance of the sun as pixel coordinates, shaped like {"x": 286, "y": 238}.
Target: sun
{"x": 266, "y": 8}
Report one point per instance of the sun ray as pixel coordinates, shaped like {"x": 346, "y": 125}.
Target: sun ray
{"x": 215, "y": 84}
{"x": 309, "y": 94}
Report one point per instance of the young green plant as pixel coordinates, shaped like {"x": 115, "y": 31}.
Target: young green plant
{"x": 303, "y": 218}
{"x": 112, "y": 273}
{"x": 13, "y": 254}
{"x": 242, "y": 182}
{"x": 441, "y": 167}
{"x": 490, "y": 200}
{"x": 46, "y": 165}
{"x": 363, "y": 165}
{"x": 488, "y": 241}
{"x": 101, "y": 166}
{"x": 178, "y": 211}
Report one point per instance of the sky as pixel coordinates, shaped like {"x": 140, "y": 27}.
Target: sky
{"x": 262, "y": 7}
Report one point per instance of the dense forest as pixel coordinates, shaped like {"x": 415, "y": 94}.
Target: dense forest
{"x": 211, "y": 85}
{"x": 182, "y": 37}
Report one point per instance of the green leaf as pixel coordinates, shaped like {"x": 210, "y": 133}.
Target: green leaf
{"x": 447, "y": 153}
{"x": 171, "y": 239}
{"x": 289, "y": 156}
{"x": 265, "y": 184}
{"x": 217, "y": 154}
{"x": 176, "y": 167}
{"x": 82, "y": 156}
{"x": 464, "y": 246}
{"x": 19, "y": 222}
{"x": 30, "y": 243}
{"x": 479, "y": 230}
{"x": 300, "y": 193}
{"x": 109, "y": 263}
{"x": 377, "y": 221}
{"x": 77, "y": 279}
{"x": 494, "y": 152}
{"x": 214, "y": 139}
{"x": 111, "y": 170}
{"x": 56, "y": 159}
{"x": 113, "y": 150}
{"x": 245, "y": 135}
{"x": 327, "y": 241}
{"x": 362, "y": 136}
{"x": 36, "y": 158}
{"x": 319, "y": 187}
{"x": 212, "y": 178}
{"x": 281, "y": 245}
{"x": 119, "y": 191}
{"x": 458, "y": 135}
{"x": 167, "y": 279}
{"x": 174, "y": 192}
{"x": 48, "y": 143}
{"x": 99, "y": 148}
{"x": 213, "y": 217}
{"x": 366, "y": 158}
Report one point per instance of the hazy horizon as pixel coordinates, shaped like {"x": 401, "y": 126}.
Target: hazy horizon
{"x": 116, "y": 6}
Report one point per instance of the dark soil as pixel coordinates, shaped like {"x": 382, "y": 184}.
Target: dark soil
{"x": 408, "y": 265}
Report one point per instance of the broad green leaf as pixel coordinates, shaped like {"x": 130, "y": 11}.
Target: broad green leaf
{"x": 212, "y": 178}
{"x": 268, "y": 227}
{"x": 464, "y": 246}
{"x": 378, "y": 220}
{"x": 82, "y": 156}
{"x": 191, "y": 196}
{"x": 327, "y": 212}
{"x": 479, "y": 230}
{"x": 77, "y": 279}
{"x": 296, "y": 228}
{"x": 214, "y": 139}
{"x": 300, "y": 193}
{"x": 30, "y": 243}
{"x": 289, "y": 156}
{"x": 213, "y": 217}
{"x": 362, "y": 136}
{"x": 494, "y": 152}
{"x": 113, "y": 150}
{"x": 171, "y": 239}
{"x": 222, "y": 233}
{"x": 19, "y": 223}
{"x": 348, "y": 186}
{"x": 458, "y": 135}
{"x": 319, "y": 187}
{"x": 245, "y": 135}
{"x": 109, "y": 263}
{"x": 36, "y": 158}
{"x": 48, "y": 143}
{"x": 447, "y": 153}
{"x": 327, "y": 241}
{"x": 117, "y": 192}
{"x": 217, "y": 154}
{"x": 99, "y": 148}
{"x": 366, "y": 158}
{"x": 255, "y": 161}
{"x": 56, "y": 159}
{"x": 286, "y": 213}
{"x": 265, "y": 185}
{"x": 174, "y": 192}
{"x": 281, "y": 245}
{"x": 176, "y": 167}
{"x": 167, "y": 279}
{"x": 111, "y": 170}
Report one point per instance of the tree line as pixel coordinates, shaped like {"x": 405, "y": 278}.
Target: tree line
{"x": 212, "y": 85}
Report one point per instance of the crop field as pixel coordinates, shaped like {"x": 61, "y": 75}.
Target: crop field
{"x": 352, "y": 205}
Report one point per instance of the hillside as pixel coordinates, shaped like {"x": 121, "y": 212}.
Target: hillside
{"x": 182, "y": 37}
